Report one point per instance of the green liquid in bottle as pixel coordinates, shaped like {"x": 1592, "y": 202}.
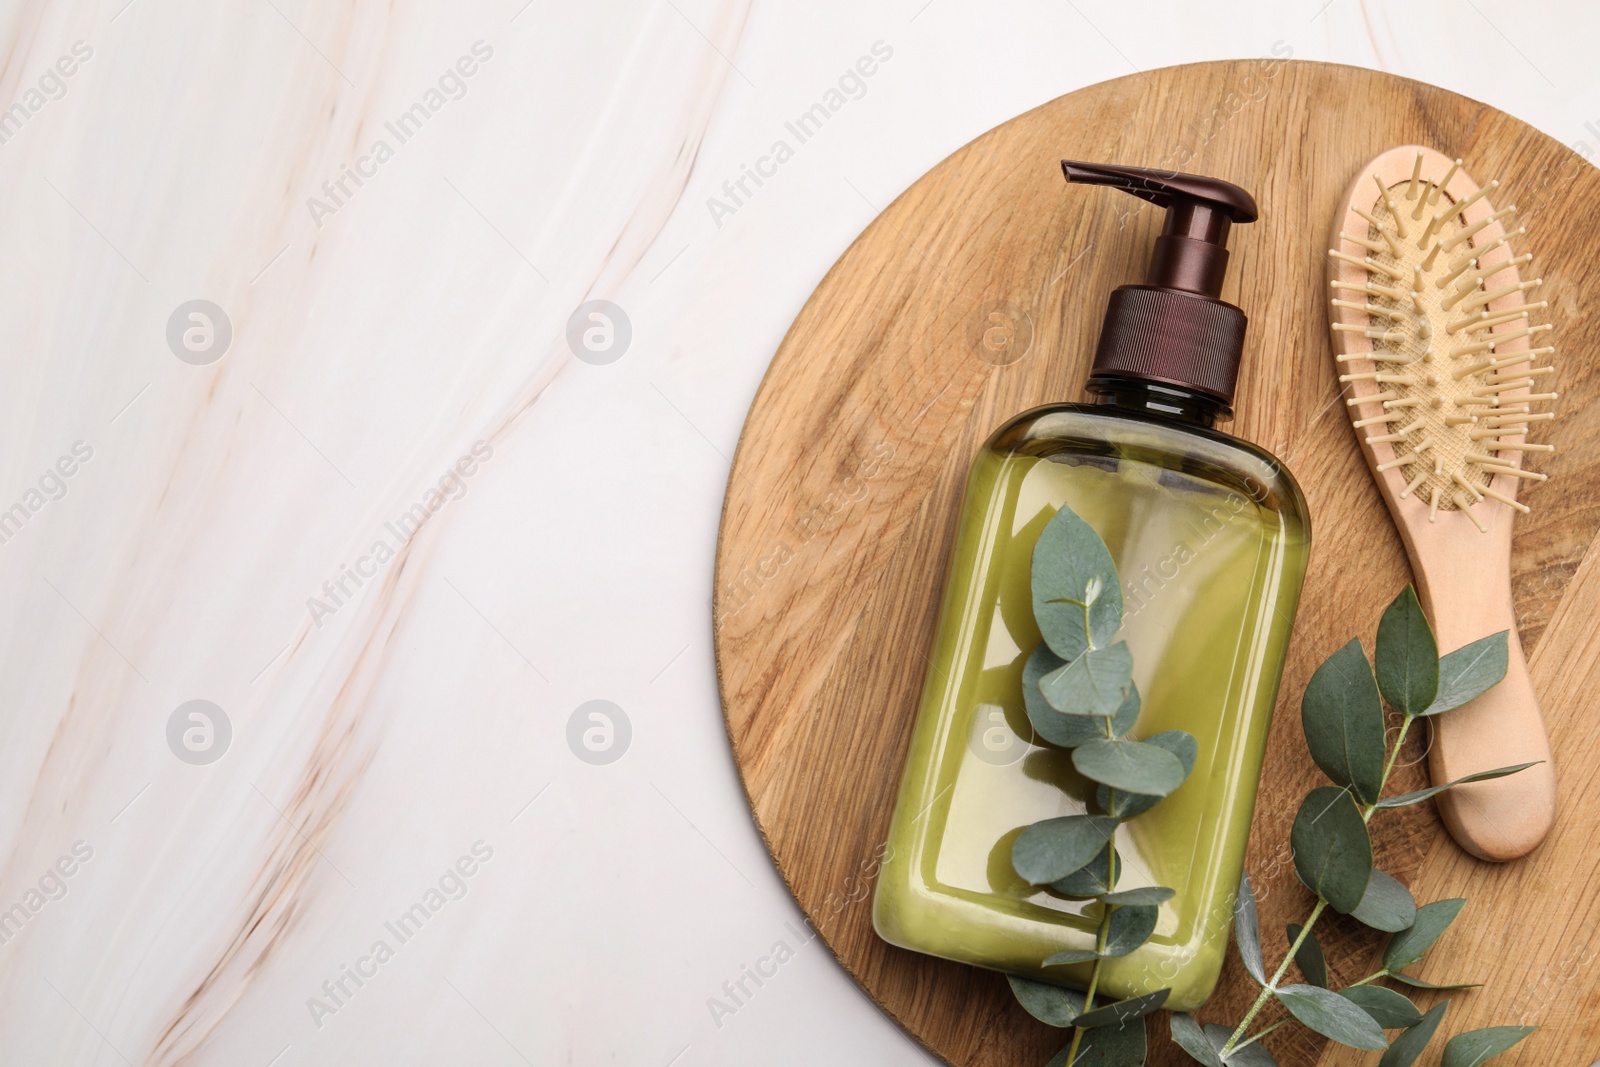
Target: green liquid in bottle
{"x": 1210, "y": 540}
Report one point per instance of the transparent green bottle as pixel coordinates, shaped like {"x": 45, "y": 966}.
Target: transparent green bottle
{"x": 1210, "y": 538}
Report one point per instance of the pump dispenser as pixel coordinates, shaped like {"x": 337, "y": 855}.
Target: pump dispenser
{"x": 1210, "y": 538}
{"x": 1175, "y": 328}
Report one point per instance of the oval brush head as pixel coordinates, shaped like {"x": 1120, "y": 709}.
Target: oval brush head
{"x": 1447, "y": 370}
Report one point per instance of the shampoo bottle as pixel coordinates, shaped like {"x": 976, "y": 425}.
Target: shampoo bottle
{"x": 1210, "y": 538}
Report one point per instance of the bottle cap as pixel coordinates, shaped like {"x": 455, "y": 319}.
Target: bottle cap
{"x": 1175, "y": 329}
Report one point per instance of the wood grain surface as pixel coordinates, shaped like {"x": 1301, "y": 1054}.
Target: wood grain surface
{"x": 979, "y": 293}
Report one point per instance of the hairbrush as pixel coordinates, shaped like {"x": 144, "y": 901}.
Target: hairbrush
{"x": 1434, "y": 336}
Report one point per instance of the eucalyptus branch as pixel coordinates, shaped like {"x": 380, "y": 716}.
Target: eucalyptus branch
{"x": 1343, "y": 713}
{"x": 1080, "y": 697}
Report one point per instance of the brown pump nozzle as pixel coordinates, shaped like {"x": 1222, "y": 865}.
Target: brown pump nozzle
{"x": 1175, "y": 328}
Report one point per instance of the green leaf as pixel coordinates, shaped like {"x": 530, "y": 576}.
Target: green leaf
{"x": 1127, "y": 716}
{"x": 1473, "y": 1047}
{"x": 1407, "y": 659}
{"x": 1107, "y": 1046}
{"x": 1096, "y": 683}
{"x": 1071, "y": 955}
{"x": 1247, "y": 930}
{"x": 1054, "y": 848}
{"x": 1388, "y": 1009}
{"x": 1124, "y": 1011}
{"x": 1333, "y": 1016}
{"x": 1068, "y": 731}
{"x": 1187, "y": 1035}
{"x": 1408, "y": 946}
{"x": 1423, "y": 794}
{"x": 1409, "y": 1045}
{"x": 1313, "y": 964}
{"x": 1126, "y": 805}
{"x": 1417, "y": 983}
{"x": 1070, "y": 563}
{"x": 1150, "y": 894}
{"x": 1093, "y": 880}
{"x": 1129, "y": 928}
{"x": 1048, "y": 1003}
{"x": 1136, "y": 766}
{"x": 1468, "y": 671}
{"x": 1332, "y": 852}
{"x": 1386, "y": 905}
{"x": 1343, "y": 720}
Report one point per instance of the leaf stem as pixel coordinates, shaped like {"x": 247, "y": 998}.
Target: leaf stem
{"x": 1271, "y": 986}
{"x": 1259, "y": 1034}
{"x": 1388, "y": 765}
{"x": 1233, "y": 1043}
{"x": 1100, "y": 946}
{"x": 1369, "y": 978}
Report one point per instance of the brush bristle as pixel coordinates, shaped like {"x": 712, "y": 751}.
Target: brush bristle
{"x": 1440, "y": 312}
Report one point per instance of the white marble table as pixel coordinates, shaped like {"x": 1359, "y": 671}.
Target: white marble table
{"x": 396, "y": 537}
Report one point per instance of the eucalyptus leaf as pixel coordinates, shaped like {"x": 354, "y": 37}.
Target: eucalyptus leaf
{"x": 1423, "y": 794}
{"x": 1124, "y": 1011}
{"x": 1331, "y": 1015}
{"x": 1135, "y": 766}
{"x": 1409, "y": 1045}
{"x": 1095, "y": 879}
{"x": 1313, "y": 964}
{"x": 1187, "y": 1035}
{"x": 1386, "y": 905}
{"x": 1125, "y": 805}
{"x": 1468, "y": 671}
{"x": 1069, "y": 956}
{"x": 1343, "y": 720}
{"x": 1247, "y": 930}
{"x": 1054, "y": 848}
{"x": 1150, "y": 894}
{"x": 1096, "y": 683}
{"x": 1417, "y": 983}
{"x": 1107, "y": 1046}
{"x": 1408, "y": 946}
{"x": 1180, "y": 743}
{"x": 1129, "y": 927}
{"x": 1073, "y": 582}
{"x": 1473, "y": 1047}
{"x": 1068, "y": 731}
{"x": 1332, "y": 852}
{"x": 1390, "y": 1010}
{"x": 1406, "y": 657}
{"x": 1048, "y": 1003}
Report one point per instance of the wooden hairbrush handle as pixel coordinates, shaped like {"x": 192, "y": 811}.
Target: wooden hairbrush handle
{"x": 1503, "y": 818}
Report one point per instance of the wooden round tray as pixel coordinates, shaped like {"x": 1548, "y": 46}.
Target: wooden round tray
{"x": 979, "y": 293}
